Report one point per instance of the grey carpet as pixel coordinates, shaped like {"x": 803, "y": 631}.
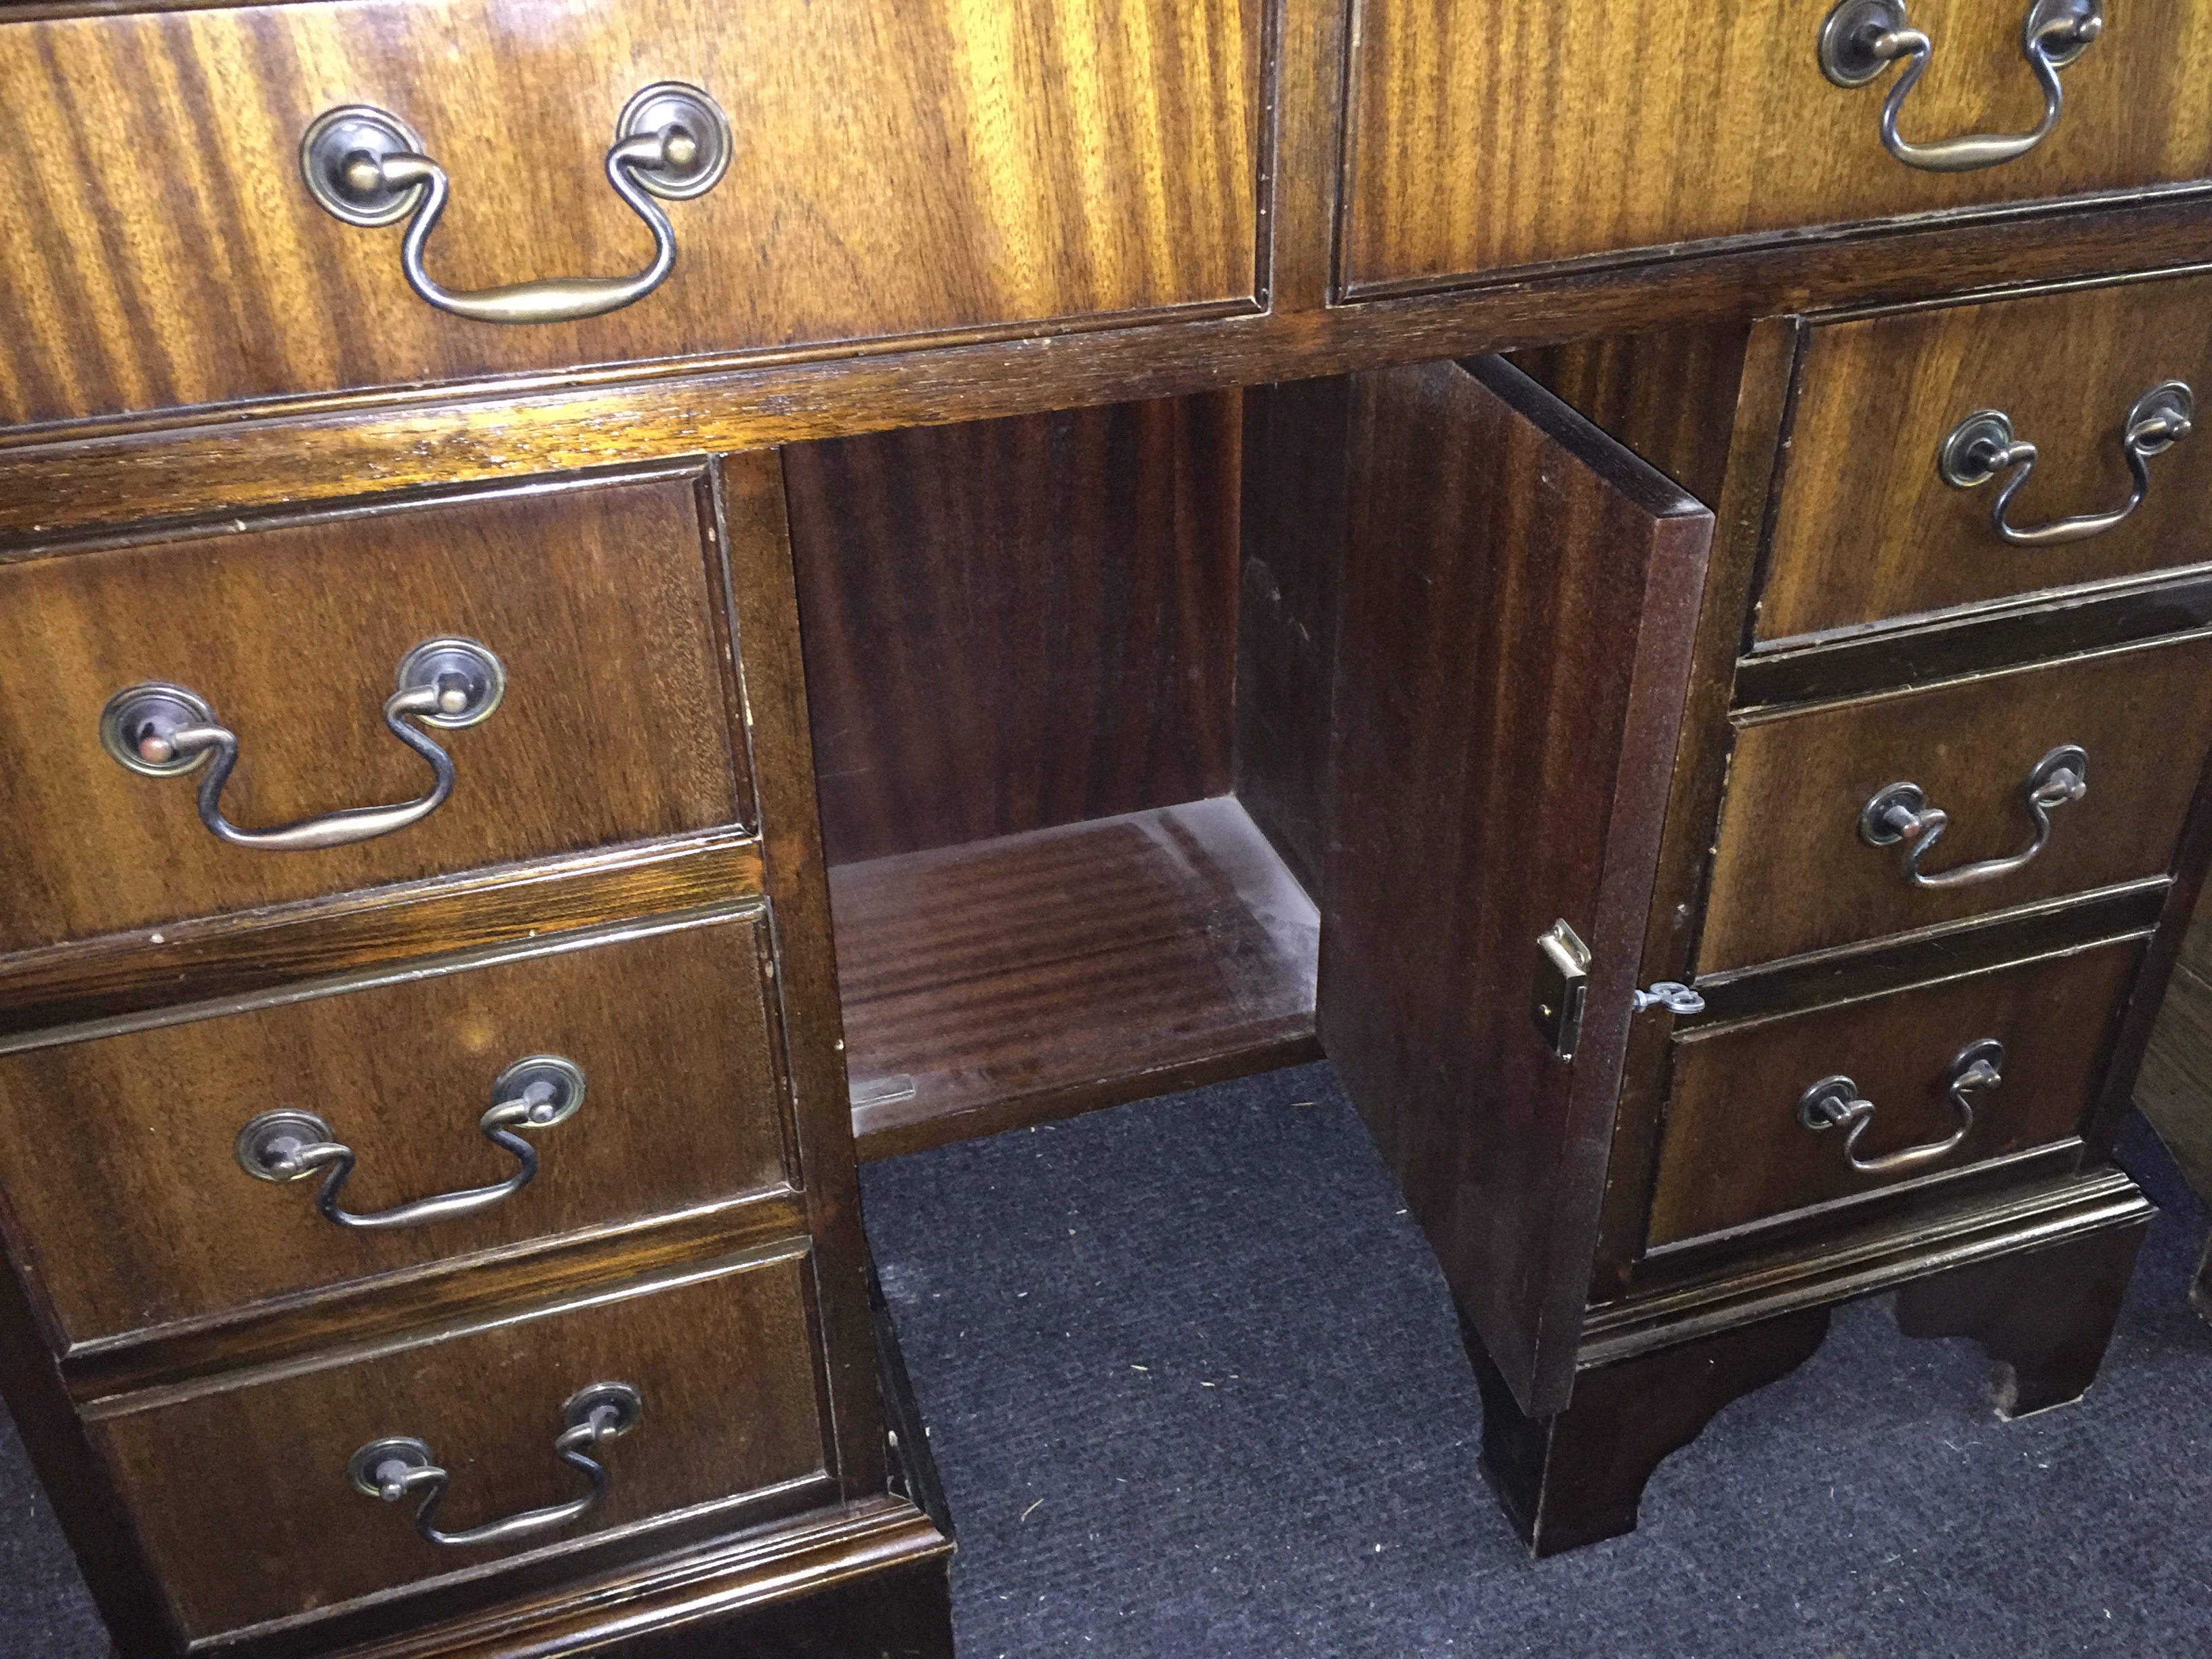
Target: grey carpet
{"x": 1194, "y": 1389}
{"x": 1293, "y": 1470}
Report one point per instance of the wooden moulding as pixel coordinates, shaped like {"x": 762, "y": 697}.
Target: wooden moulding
{"x": 871, "y": 1570}
{"x": 1008, "y": 981}
{"x": 58, "y": 482}
{"x": 1698, "y": 1297}
{"x": 121, "y": 974}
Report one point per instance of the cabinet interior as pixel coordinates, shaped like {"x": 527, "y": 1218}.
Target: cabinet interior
{"x": 1068, "y": 683}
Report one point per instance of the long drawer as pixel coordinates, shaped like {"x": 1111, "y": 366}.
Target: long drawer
{"x": 728, "y": 1408}
{"x": 1871, "y": 523}
{"x": 593, "y": 603}
{"x": 1484, "y": 138}
{"x": 145, "y": 1173}
{"x": 887, "y": 167}
{"x": 1821, "y": 843}
{"x": 1764, "y": 1119}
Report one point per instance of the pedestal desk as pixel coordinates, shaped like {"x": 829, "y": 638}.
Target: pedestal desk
{"x": 604, "y": 607}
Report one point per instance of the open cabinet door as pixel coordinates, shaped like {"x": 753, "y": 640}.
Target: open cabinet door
{"x": 1520, "y": 593}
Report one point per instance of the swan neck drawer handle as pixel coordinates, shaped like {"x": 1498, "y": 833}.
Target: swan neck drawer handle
{"x": 1900, "y": 814}
{"x": 366, "y": 167}
{"x": 535, "y": 1093}
{"x": 161, "y": 730}
{"x": 1834, "y": 1102}
{"x": 1860, "y": 39}
{"x": 403, "y": 1467}
{"x": 1982, "y": 445}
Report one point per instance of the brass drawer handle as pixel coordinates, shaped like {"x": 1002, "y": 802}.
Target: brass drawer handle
{"x": 366, "y": 167}
{"x": 1982, "y": 445}
{"x": 393, "y": 1468}
{"x": 1860, "y": 39}
{"x": 536, "y": 1093}
{"x": 1900, "y": 812}
{"x": 163, "y": 731}
{"x": 1834, "y": 1101}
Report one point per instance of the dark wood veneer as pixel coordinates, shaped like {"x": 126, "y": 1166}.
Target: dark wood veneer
{"x": 302, "y": 1541}
{"x": 2039, "y": 626}
{"x": 1733, "y": 1151}
{"x": 902, "y": 168}
{"x": 1515, "y": 644}
{"x": 1869, "y": 529}
{"x": 1013, "y": 624}
{"x": 1634, "y": 129}
{"x": 2043, "y": 1316}
{"x": 111, "y": 977}
{"x": 1577, "y": 1476}
{"x": 612, "y": 729}
{"x": 64, "y": 481}
{"x": 1791, "y": 874}
{"x": 1002, "y": 982}
{"x": 683, "y": 1106}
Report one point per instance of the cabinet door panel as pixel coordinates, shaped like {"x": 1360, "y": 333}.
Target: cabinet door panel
{"x": 1520, "y": 594}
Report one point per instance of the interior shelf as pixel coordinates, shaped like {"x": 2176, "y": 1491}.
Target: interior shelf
{"x": 1001, "y": 982}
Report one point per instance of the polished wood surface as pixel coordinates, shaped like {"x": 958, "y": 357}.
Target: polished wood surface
{"x": 56, "y": 483}
{"x": 1633, "y": 390}
{"x": 141, "y": 1216}
{"x": 753, "y": 534}
{"x": 899, "y": 169}
{"x": 2031, "y": 627}
{"x": 1483, "y": 138}
{"x": 873, "y": 1572}
{"x": 1734, "y": 1152}
{"x": 1292, "y": 523}
{"x": 2043, "y": 1316}
{"x": 369, "y": 1315}
{"x": 91, "y": 982}
{"x": 1791, "y": 874}
{"x": 723, "y": 1363}
{"x": 1519, "y": 598}
{"x": 1670, "y": 395}
{"x": 2050, "y": 927}
{"x": 1013, "y": 624}
{"x": 612, "y": 728}
{"x": 1868, "y": 529}
{"x": 1578, "y": 1476}
{"x": 1002, "y": 982}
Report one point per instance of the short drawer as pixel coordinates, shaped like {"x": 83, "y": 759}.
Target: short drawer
{"x": 126, "y": 1179}
{"x": 1795, "y": 870}
{"x": 894, "y": 167}
{"x": 1783, "y": 1115}
{"x": 1869, "y": 527}
{"x": 1484, "y": 138}
{"x": 594, "y": 601}
{"x": 242, "y": 1493}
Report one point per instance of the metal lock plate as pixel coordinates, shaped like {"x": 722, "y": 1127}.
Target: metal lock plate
{"x": 1562, "y": 989}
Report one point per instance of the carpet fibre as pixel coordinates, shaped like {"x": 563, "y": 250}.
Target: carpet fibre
{"x": 1195, "y": 1388}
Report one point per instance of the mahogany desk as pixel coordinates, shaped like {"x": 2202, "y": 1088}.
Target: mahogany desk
{"x": 607, "y": 607}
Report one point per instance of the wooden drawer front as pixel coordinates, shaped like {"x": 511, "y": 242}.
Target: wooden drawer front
{"x": 242, "y": 1497}
{"x": 898, "y": 166}
{"x": 1792, "y": 874}
{"x": 117, "y": 1154}
{"x": 1485, "y": 137}
{"x": 612, "y": 727}
{"x": 1734, "y": 1151}
{"x": 1867, "y": 528}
